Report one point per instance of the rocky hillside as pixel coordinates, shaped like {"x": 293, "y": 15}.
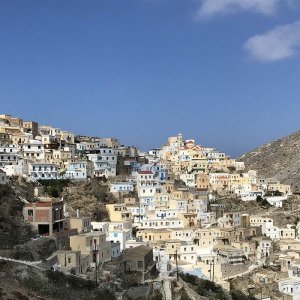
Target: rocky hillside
{"x": 89, "y": 198}
{"x": 279, "y": 159}
{"x": 13, "y": 230}
{"x": 21, "y": 282}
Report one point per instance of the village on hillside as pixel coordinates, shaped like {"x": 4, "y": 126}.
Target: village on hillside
{"x": 176, "y": 210}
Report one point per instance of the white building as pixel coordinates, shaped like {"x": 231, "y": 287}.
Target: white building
{"x": 184, "y": 234}
{"x": 34, "y": 150}
{"x": 121, "y": 187}
{"x": 290, "y": 286}
{"x": 162, "y": 260}
{"x": 249, "y": 196}
{"x": 138, "y": 213}
{"x": 43, "y": 171}
{"x": 201, "y": 205}
{"x": 272, "y": 232}
{"x": 18, "y": 169}
{"x": 264, "y": 223}
{"x": 239, "y": 165}
{"x": 104, "y": 163}
{"x": 264, "y": 248}
{"x": 188, "y": 179}
{"x": 100, "y": 226}
{"x": 79, "y": 170}
{"x": 9, "y": 155}
{"x": 158, "y": 223}
{"x": 205, "y": 218}
{"x": 276, "y": 201}
{"x": 145, "y": 179}
{"x": 104, "y": 169}
{"x": 187, "y": 252}
{"x": 119, "y": 232}
{"x": 105, "y": 155}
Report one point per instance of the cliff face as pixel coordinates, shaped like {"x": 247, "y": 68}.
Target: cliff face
{"x": 278, "y": 159}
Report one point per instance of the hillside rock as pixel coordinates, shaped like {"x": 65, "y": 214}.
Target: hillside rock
{"x": 89, "y": 198}
{"x": 278, "y": 159}
{"x": 13, "y": 230}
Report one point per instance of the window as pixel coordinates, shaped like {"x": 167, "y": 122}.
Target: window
{"x": 69, "y": 260}
{"x": 30, "y": 212}
{"x": 140, "y": 264}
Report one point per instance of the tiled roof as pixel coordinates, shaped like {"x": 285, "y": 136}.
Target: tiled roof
{"x": 145, "y": 172}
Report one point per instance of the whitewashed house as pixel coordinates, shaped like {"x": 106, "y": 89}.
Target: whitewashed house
{"x": 9, "y": 155}
{"x": 290, "y": 286}
{"x": 34, "y": 150}
{"x": 119, "y": 232}
{"x": 80, "y": 170}
{"x": 18, "y": 169}
{"x": 121, "y": 187}
{"x": 43, "y": 171}
{"x": 276, "y": 201}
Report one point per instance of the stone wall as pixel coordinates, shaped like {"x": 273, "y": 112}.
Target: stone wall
{"x": 190, "y": 292}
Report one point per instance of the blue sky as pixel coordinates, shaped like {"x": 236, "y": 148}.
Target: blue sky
{"x": 226, "y": 73}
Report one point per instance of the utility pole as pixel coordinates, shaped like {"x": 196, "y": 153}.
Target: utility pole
{"x": 210, "y": 270}
{"x": 140, "y": 211}
{"x": 261, "y": 291}
{"x": 96, "y": 265}
{"x": 176, "y": 265}
{"x": 213, "y": 274}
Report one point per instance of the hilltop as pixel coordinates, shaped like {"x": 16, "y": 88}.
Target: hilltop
{"x": 278, "y": 159}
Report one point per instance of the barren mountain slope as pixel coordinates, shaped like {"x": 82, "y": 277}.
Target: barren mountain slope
{"x": 278, "y": 159}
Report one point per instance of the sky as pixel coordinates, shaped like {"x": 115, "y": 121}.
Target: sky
{"x": 223, "y": 72}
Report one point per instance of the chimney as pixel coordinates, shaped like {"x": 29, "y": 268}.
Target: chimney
{"x": 77, "y": 213}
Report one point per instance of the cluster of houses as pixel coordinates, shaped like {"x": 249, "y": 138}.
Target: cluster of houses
{"x": 44, "y": 152}
{"x": 165, "y": 218}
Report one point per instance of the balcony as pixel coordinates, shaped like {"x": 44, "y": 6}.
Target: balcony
{"x": 95, "y": 247}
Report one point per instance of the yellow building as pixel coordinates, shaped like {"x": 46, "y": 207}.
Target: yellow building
{"x": 181, "y": 193}
{"x": 73, "y": 261}
{"x": 207, "y": 237}
{"x": 31, "y": 127}
{"x": 118, "y": 212}
{"x": 155, "y": 235}
{"x": 93, "y": 244}
{"x": 162, "y": 200}
{"x": 82, "y": 224}
{"x": 202, "y": 181}
{"x": 282, "y": 188}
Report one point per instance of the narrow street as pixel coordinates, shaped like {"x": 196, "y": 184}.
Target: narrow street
{"x": 167, "y": 286}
